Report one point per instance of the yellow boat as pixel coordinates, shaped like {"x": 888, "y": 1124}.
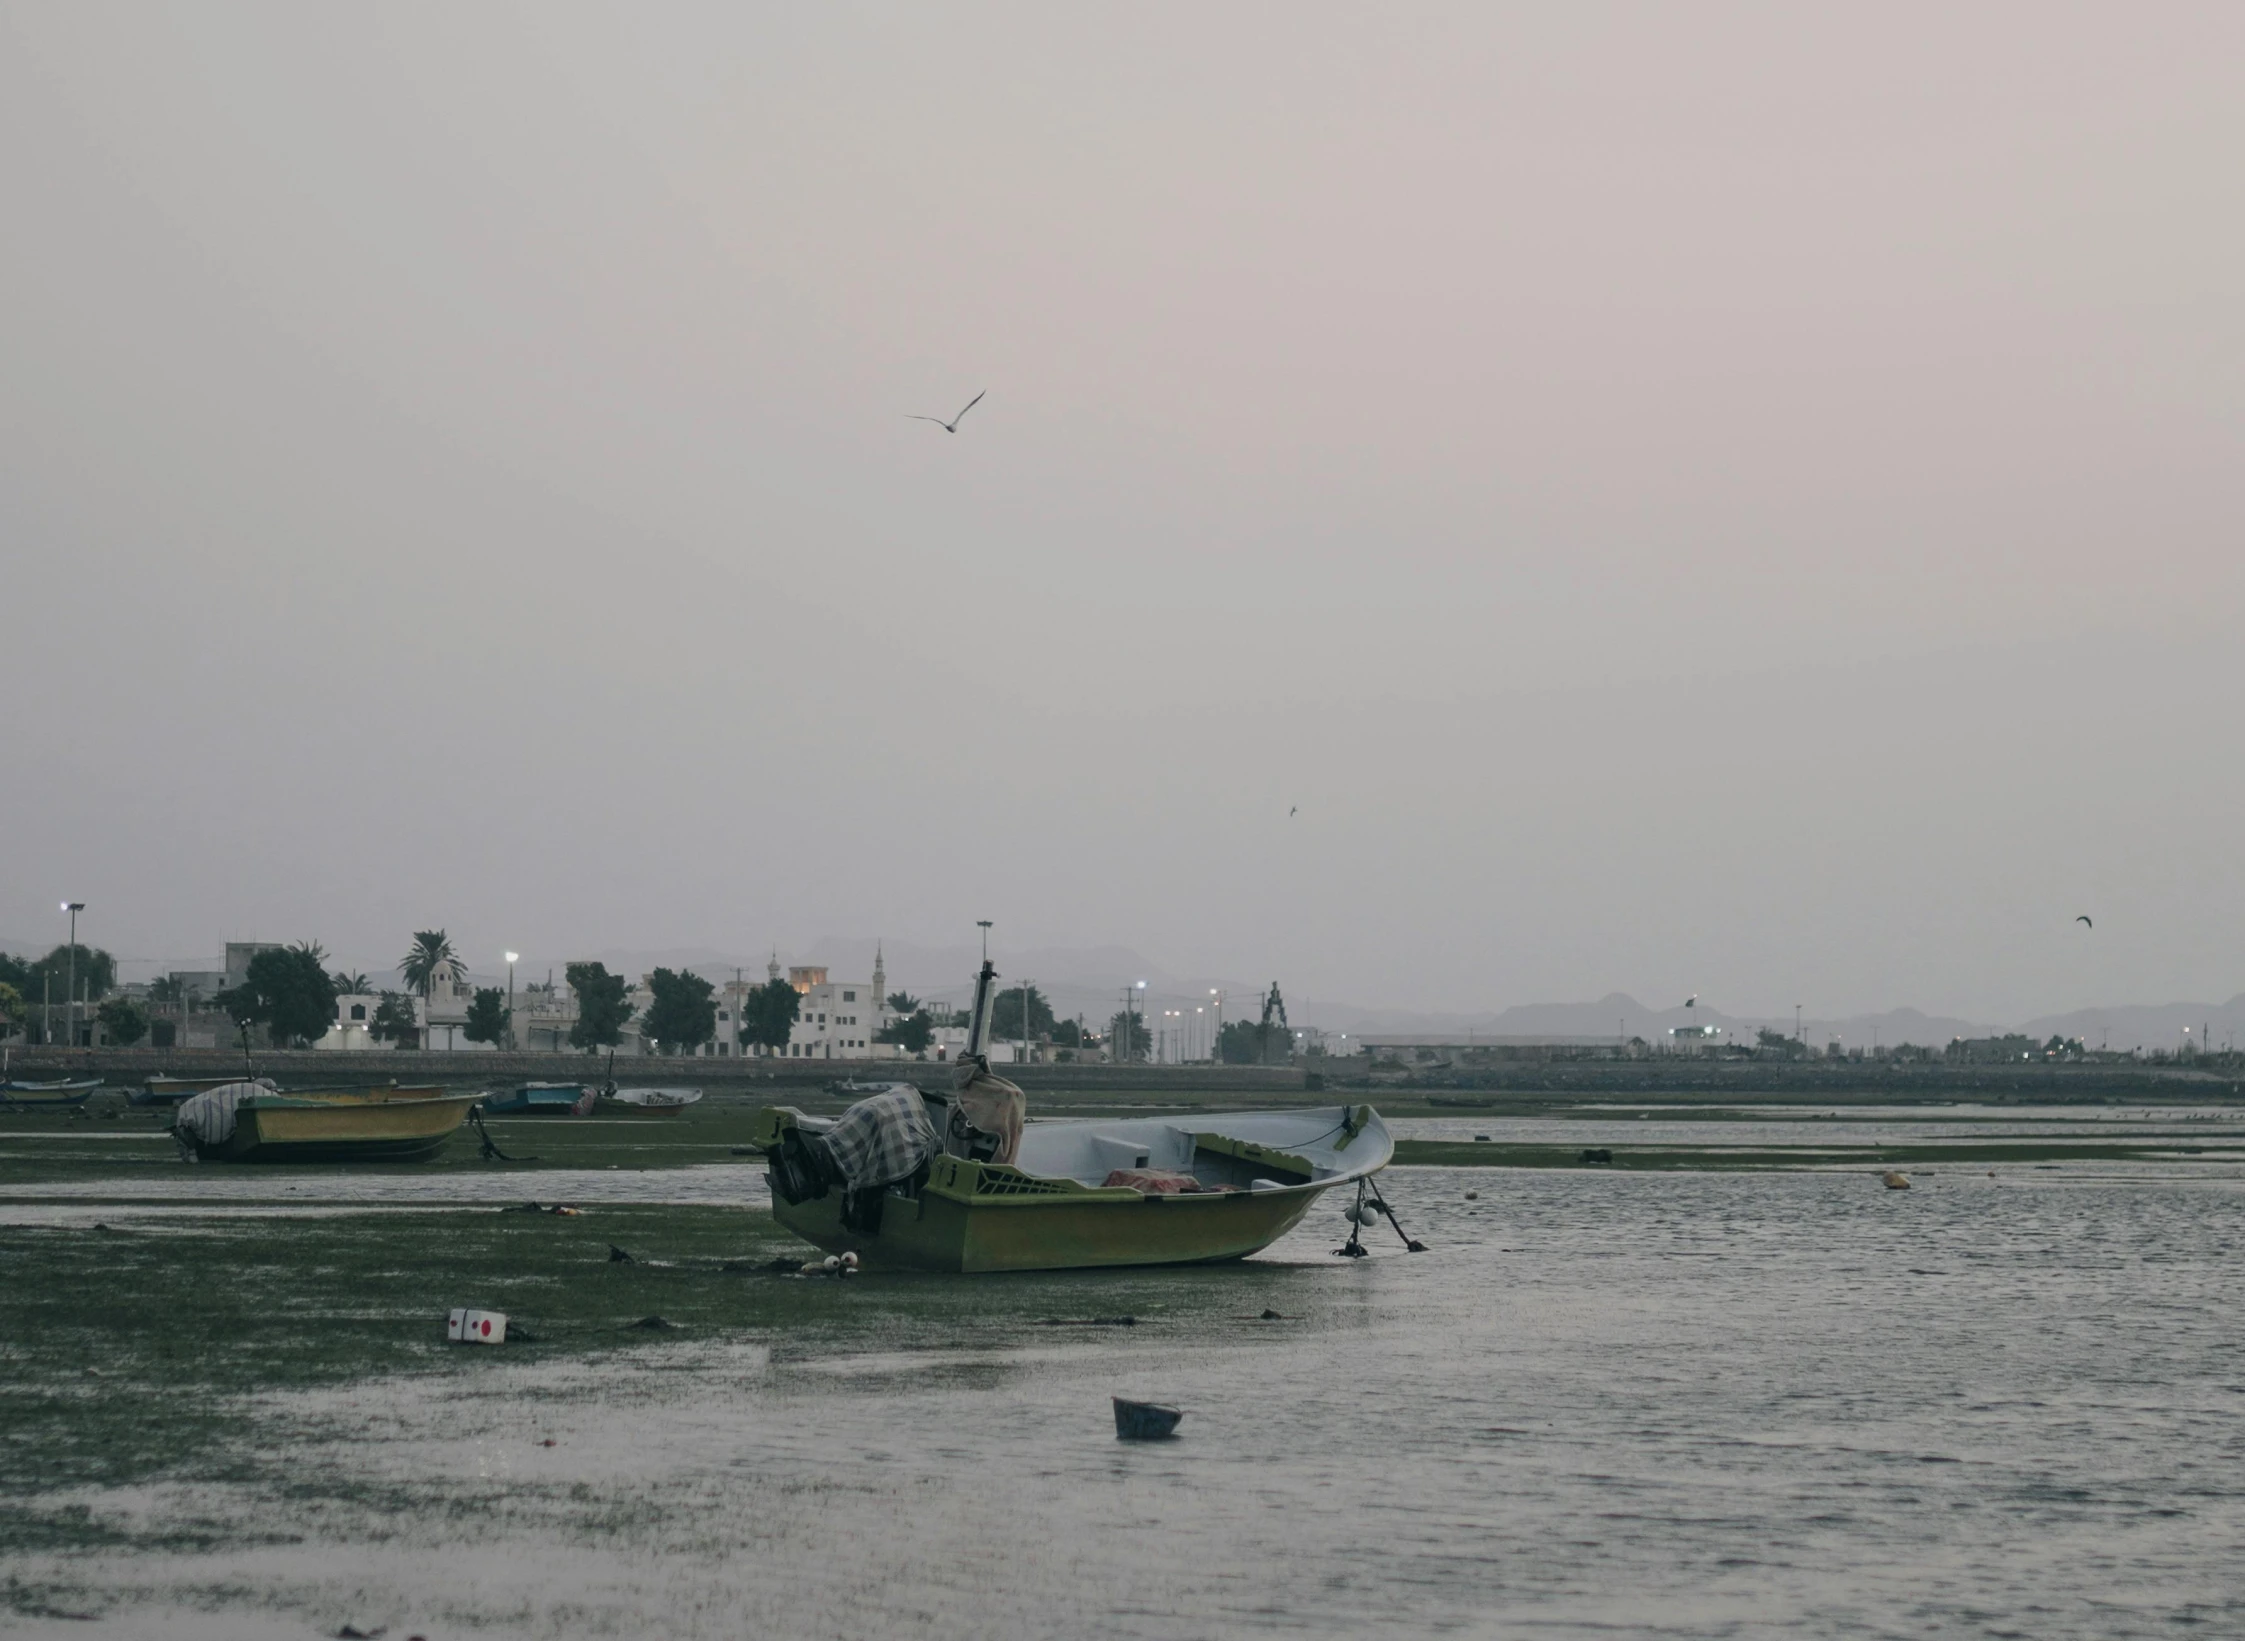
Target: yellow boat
{"x": 245, "y": 1122}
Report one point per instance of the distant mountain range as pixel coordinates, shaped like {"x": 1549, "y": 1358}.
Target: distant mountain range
{"x": 1091, "y": 980}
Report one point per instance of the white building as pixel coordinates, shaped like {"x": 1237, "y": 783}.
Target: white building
{"x": 837, "y": 1019}
{"x": 354, "y": 1017}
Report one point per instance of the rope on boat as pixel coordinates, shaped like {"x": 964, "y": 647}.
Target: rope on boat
{"x": 1361, "y": 1215}
{"x": 490, "y": 1148}
{"x": 1411, "y": 1243}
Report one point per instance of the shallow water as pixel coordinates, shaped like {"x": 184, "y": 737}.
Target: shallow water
{"x": 1842, "y": 1128}
{"x": 1695, "y": 1404}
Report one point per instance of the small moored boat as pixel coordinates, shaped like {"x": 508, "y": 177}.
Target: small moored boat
{"x": 906, "y": 1181}
{"x": 55, "y": 1095}
{"x": 162, "y": 1090}
{"x": 540, "y": 1100}
{"x": 249, "y": 1122}
{"x": 660, "y": 1101}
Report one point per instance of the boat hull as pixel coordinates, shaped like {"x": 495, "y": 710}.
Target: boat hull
{"x": 943, "y": 1230}
{"x": 540, "y": 1100}
{"x": 340, "y": 1130}
{"x": 48, "y": 1096}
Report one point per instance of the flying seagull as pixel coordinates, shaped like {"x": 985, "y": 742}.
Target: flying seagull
{"x": 951, "y": 426}
{"x": 1293, "y": 811}
{"x": 2084, "y": 919}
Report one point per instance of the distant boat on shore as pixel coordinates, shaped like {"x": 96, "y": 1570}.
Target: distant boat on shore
{"x": 540, "y": 1100}
{"x": 162, "y": 1090}
{"x": 249, "y": 1122}
{"x": 660, "y": 1101}
{"x": 58, "y": 1094}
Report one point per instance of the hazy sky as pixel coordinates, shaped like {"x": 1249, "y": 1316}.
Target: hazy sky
{"x": 1734, "y": 499}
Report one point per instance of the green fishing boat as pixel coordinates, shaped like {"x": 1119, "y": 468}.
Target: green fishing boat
{"x": 932, "y": 1181}
{"x": 1253, "y": 1175}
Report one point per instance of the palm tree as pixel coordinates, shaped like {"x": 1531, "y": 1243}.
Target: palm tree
{"x": 351, "y": 983}
{"x": 431, "y": 959}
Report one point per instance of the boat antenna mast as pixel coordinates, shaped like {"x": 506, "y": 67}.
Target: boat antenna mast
{"x": 985, "y": 996}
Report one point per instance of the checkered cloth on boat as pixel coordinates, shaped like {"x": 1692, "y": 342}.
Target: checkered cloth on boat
{"x": 880, "y": 1139}
{"x": 209, "y": 1116}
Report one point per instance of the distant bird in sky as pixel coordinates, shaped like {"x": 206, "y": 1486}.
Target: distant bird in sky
{"x": 1293, "y": 810}
{"x": 951, "y": 426}
{"x": 1692, "y": 1001}
{"x": 2084, "y": 919}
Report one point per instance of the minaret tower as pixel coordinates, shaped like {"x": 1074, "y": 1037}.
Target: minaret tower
{"x": 880, "y": 981}
{"x": 773, "y": 968}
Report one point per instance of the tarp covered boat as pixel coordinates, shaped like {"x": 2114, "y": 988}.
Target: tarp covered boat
{"x": 248, "y": 1122}
{"x": 935, "y": 1182}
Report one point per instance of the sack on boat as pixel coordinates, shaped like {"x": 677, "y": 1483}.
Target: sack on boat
{"x": 209, "y": 1116}
{"x": 991, "y": 1105}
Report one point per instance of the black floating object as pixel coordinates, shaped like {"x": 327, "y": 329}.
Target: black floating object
{"x": 1601, "y": 1155}
{"x": 653, "y": 1324}
{"x": 616, "y": 1256}
{"x": 1272, "y": 1316}
{"x": 1088, "y": 1322}
{"x": 351, "y": 1632}
{"x": 1145, "y": 1421}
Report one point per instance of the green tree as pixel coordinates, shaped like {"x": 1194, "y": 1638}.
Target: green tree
{"x": 1240, "y": 1043}
{"x": 394, "y": 1020}
{"x": 430, "y": 960}
{"x": 768, "y": 1014}
{"x": 11, "y": 1008}
{"x": 903, "y": 1002}
{"x": 602, "y": 1012}
{"x": 167, "y": 988}
{"x": 1005, "y": 1014}
{"x": 488, "y": 1016}
{"x": 122, "y": 1021}
{"x": 683, "y": 1015}
{"x": 351, "y": 983}
{"x": 1132, "y": 1037}
{"x": 50, "y": 976}
{"x": 288, "y": 992}
{"x": 913, "y": 1033}
{"x": 1777, "y": 1045}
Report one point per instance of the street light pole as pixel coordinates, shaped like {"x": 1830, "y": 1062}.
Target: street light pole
{"x": 70, "y": 1003}
{"x": 512, "y": 959}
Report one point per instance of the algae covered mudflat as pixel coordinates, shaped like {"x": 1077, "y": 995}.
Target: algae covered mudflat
{"x": 1683, "y": 1403}
{"x": 1606, "y": 1396}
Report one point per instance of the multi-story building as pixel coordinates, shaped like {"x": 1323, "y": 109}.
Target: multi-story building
{"x": 838, "y": 1019}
